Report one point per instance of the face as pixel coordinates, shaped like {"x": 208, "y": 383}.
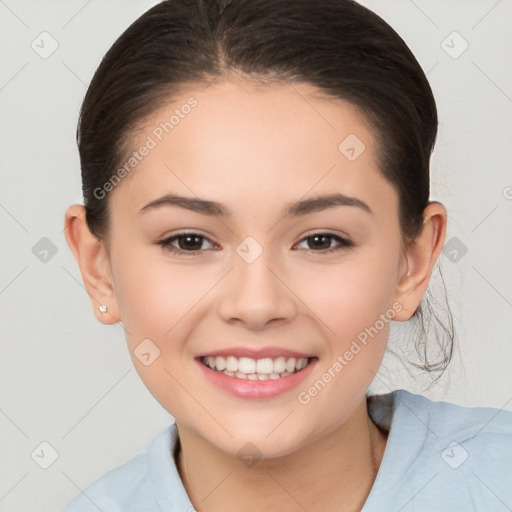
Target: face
{"x": 256, "y": 261}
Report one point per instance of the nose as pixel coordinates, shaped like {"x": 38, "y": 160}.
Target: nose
{"x": 255, "y": 296}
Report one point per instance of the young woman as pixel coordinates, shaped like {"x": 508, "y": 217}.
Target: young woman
{"x": 257, "y": 213}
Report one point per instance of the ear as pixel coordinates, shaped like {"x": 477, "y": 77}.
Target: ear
{"x": 93, "y": 260}
{"x": 421, "y": 255}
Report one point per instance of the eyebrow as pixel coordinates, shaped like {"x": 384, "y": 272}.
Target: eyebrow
{"x": 214, "y": 209}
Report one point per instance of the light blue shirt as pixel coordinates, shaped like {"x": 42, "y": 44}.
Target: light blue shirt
{"x": 440, "y": 457}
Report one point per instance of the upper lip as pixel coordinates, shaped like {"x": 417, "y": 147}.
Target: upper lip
{"x": 259, "y": 353}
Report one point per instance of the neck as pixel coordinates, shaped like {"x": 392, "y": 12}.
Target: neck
{"x": 333, "y": 473}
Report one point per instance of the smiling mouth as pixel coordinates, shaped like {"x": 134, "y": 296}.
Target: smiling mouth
{"x": 256, "y": 369}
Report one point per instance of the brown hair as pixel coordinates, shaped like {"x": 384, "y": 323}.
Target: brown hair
{"x": 339, "y": 46}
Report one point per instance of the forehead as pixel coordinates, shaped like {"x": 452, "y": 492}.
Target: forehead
{"x": 236, "y": 141}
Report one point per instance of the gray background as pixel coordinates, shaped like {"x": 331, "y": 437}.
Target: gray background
{"x": 67, "y": 380}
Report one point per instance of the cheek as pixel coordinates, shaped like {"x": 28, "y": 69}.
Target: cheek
{"x": 158, "y": 298}
{"x": 349, "y": 297}
{"x": 147, "y": 300}
{"x": 156, "y": 301}
{"x": 145, "y": 296}
{"x": 353, "y": 301}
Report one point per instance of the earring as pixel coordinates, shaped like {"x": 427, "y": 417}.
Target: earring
{"x": 103, "y": 309}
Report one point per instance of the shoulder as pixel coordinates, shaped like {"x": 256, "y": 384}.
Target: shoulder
{"x": 458, "y": 433}
{"x": 444, "y": 455}
{"x": 450, "y": 419}
{"x": 480, "y": 435}
{"x": 130, "y": 486}
{"x": 404, "y": 410}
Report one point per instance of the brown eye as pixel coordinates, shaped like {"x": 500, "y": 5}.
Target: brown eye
{"x": 324, "y": 242}
{"x": 190, "y": 242}
{"x": 319, "y": 242}
{"x": 186, "y": 243}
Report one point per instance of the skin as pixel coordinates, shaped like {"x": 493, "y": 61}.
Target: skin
{"x": 256, "y": 150}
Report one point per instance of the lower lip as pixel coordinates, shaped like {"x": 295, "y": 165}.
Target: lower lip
{"x": 256, "y": 389}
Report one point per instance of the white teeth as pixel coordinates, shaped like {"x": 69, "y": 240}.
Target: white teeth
{"x": 220, "y": 363}
{"x": 279, "y": 365}
{"x": 246, "y": 365}
{"x": 252, "y": 369}
{"x": 301, "y": 363}
{"x": 265, "y": 365}
{"x": 232, "y": 364}
{"x": 290, "y": 365}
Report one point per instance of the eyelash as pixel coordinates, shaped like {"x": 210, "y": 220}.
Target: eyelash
{"x": 343, "y": 243}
